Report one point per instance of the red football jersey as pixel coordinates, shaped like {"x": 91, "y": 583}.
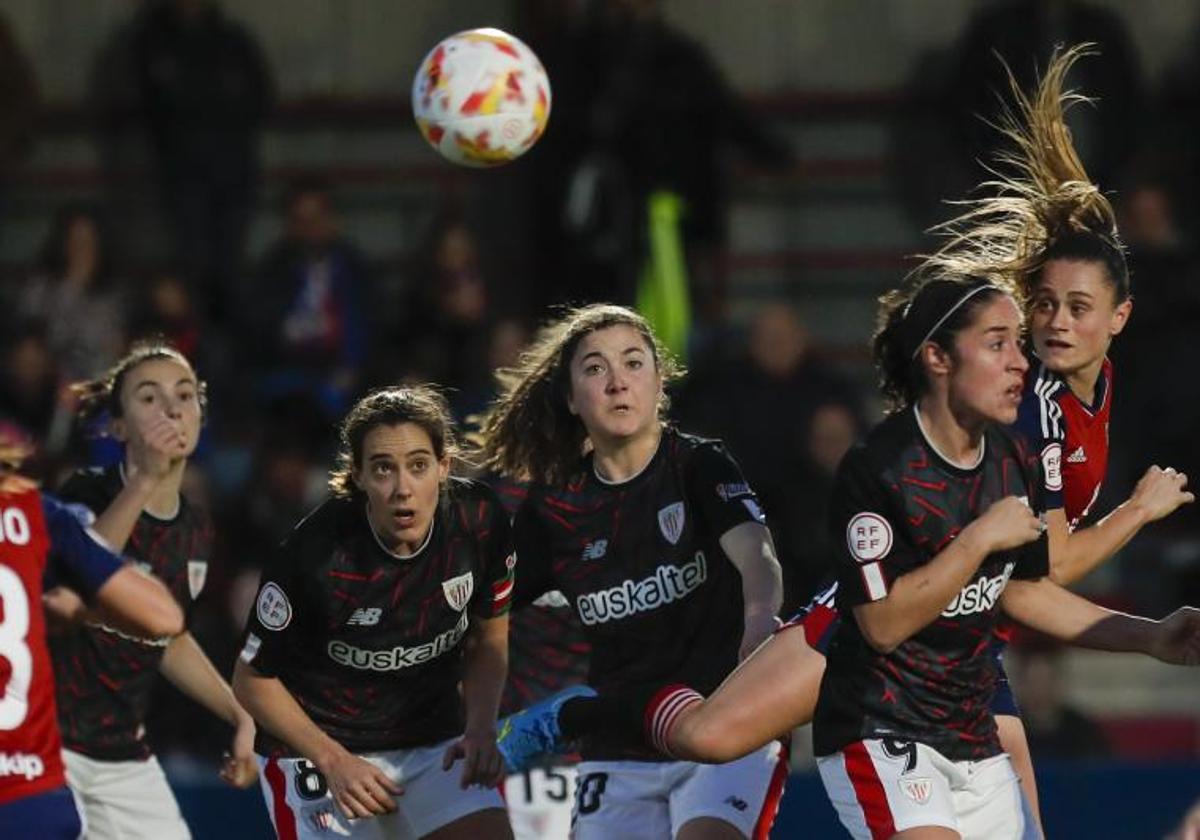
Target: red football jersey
{"x": 1071, "y": 438}
{"x": 30, "y": 748}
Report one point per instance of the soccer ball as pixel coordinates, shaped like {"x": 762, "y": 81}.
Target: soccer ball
{"x": 481, "y": 98}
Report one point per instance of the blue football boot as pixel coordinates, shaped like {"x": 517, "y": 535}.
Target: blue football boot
{"x": 525, "y": 735}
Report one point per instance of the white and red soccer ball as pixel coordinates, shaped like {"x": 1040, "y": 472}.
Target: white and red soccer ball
{"x": 481, "y": 98}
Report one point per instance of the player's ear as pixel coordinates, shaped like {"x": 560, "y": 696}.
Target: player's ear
{"x": 444, "y": 468}
{"x": 935, "y": 359}
{"x": 1120, "y": 317}
{"x": 356, "y": 476}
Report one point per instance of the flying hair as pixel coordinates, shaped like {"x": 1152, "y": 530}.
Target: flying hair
{"x": 1040, "y": 199}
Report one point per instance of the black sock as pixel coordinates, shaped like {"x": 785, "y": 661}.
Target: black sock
{"x": 618, "y": 711}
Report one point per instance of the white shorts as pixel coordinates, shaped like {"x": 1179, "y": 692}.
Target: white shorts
{"x": 879, "y": 787}
{"x": 301, "y": 807}
{"x": 540, "y": 801}
{"x": 640, "y": 800}
{"x": 124, "y": 800}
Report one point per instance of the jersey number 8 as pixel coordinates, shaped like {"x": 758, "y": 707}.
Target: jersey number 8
{"x": 13, "y": 629}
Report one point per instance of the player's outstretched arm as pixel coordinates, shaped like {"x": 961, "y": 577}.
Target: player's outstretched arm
{"x": 359, "y": 788}
{"x": 1047, "y": 607}
{"x": 917, "y": 598}
{"x": 189, "y": 670}
{"x": 1074, "y": 555}
{"x": 751, "y": 550}
{"x": 485, "y": 668}
{"x": 134, "y": 601}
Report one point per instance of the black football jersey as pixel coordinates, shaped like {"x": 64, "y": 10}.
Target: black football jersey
{"x": 370, "y": 644}
{"x": 105, "y": 678}
{"x": 546, "y": 648}
{"x": 641, "y": 565}
{"x": 896, "y": 505}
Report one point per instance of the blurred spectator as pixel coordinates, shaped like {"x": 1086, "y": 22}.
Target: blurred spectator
{"x": 1165, "y": 324}
{"x": 205, "y": 90}
{"x": 451, "y": 309}
{"x": 30, "y": 387}
{"x": 1175, "y": 149}
{"x": 165, "y": 308}
{"x": 122, "y": 142}
{"x": 76, "y": 294}
{"x": 1056, "y": 730}
{"x": 18, "y": 105}
{"x": 786, "y": 416}
{"x": 304, "y": 318}
{"x": 639, "y": 107}
{"x": 506, "y": 339}
{"x": 799, "y": 510}
{"x": 743, "y": 399}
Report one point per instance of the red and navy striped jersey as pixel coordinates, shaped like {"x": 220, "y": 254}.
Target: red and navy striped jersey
{"x": 641, "y": 564}
{"x": 104, "y": 677}
{"x": 897, "y": 504}
{"x": 30, "y": 746}
{"x": 1071, "y": 438}
{"x": 371, "y": 644}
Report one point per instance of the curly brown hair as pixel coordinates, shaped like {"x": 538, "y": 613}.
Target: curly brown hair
{"x": 528, "y": 432}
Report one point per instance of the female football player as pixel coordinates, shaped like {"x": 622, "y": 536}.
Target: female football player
{"x": 34, "y": 799}
{"x": 1051, "y": 228}
{"x": 104, "y": 678}
{"x": 939, "y": 535}
{"x": 659, "y": 546}
{"x": 374, "y": 610}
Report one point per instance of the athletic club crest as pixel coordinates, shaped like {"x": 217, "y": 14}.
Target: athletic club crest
{"x": 458, "y": 590}
{"x": 918, "y": 790}
{"x": 670, "y": 522}
{"x": 197, "y": 573}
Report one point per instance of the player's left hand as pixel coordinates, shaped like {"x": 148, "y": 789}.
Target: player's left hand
{"x": 758, "y": 628}
{"x": 1177, "y": 639}
{"x": 238, "y": 768}
{"x": 482, "y": 763}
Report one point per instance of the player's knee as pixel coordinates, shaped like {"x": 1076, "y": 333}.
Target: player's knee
{"x": 705, "y": 741}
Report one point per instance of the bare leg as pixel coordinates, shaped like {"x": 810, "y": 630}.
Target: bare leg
{"x": 708, "y": 828}
{"x": 1014, "y": 742}
{"x": 490, "y": 823}
{"x": 770, "y": 694}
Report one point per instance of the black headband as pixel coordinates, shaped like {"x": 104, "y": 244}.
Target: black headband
{"x": 932, "y": 307}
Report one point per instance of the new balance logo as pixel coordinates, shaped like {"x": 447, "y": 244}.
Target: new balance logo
{"x": 736, "y": 803}
{"x": 1077, "y": 457}
{"x": 364, "y": 617}
{"x": 595, "y": 550}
